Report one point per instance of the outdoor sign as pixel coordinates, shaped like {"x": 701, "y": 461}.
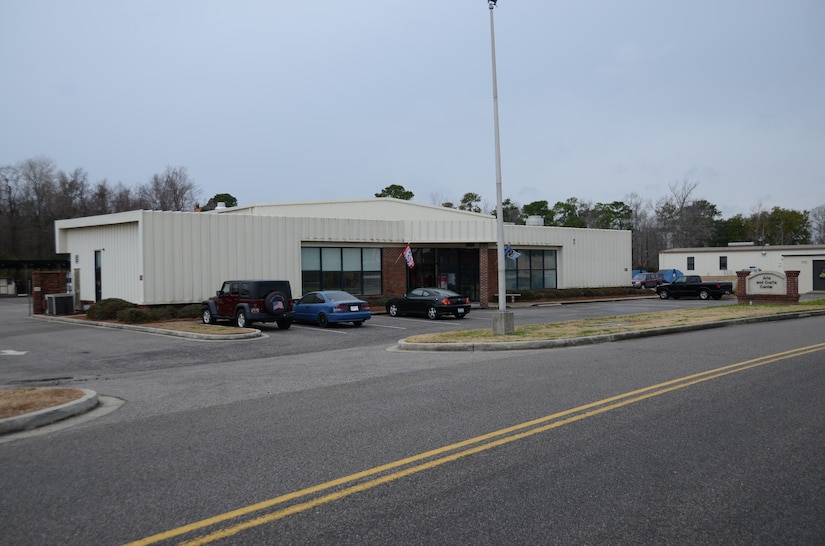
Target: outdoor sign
{"x": 767, "y": 282}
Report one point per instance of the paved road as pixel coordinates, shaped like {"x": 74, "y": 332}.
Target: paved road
{"x": 209, "y": 428}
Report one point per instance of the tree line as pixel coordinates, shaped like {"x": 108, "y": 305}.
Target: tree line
{"x": 35, "y": 193}
{"x": 677, "y": 220}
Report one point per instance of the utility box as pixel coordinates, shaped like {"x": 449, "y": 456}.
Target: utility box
{"x": 59, "y": 304}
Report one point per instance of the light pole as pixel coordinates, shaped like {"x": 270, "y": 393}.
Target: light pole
{"x": 503, "y": 319}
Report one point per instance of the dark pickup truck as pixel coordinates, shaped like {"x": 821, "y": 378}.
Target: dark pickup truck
{"x": 693, "y": 286}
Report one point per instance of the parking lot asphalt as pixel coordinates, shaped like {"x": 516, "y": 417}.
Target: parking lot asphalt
{"x": 90, "y": 400}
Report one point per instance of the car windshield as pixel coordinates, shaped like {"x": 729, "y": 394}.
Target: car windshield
{"x": 638, "y": 277}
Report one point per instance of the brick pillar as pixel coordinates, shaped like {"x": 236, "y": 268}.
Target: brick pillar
{"x": 44, "y": 283}
{"x": 393, "y": 271}
{"x": 742, "y": 286}
{"x": 484, "y": 275}
{"x": 792, "y": 278}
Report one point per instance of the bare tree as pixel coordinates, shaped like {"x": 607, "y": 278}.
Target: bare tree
{"x": 72, "y": 194}
{"x": 817, "y": 218}
{"x": 38, "y": 192}
{"x": 10, "y": 204}
{"x": 125, "y": 199}
{"x": 172, "y": 190}
{"x": 647, "y": 237}
{"x": 685, "y": 221}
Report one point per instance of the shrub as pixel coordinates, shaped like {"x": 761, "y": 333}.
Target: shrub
{"x": 108, "y": 309}
{"x": 163, "y": 313}
{"x": 193, "y": 310}
{"x": 134, "y": 315}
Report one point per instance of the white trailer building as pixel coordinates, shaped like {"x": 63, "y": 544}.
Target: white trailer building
{"x": 809, "y": 260}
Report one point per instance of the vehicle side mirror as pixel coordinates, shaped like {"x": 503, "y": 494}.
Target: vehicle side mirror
{"x": 219, "y": 293}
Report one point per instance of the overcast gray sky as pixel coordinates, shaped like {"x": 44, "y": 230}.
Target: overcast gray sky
{"x": 307, "y": 100}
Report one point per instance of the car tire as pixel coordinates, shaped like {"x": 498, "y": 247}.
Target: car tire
{"x": 664, "y": 294}
{"x": 432, "y": 313}
{"x": 241, "y": 320}
{"x": 704, "y": 295}
{"x": 207, "y": 316}
{"x": 272, "y": 300}
{"x": 284, "y": 324}
{"x": 358, "y": 323}
{"x": 460, "y": 315}
{"x": 392, "y": 310}
{"x": 323, "y": 320}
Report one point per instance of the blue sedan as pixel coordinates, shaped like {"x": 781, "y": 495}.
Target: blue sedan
{"x": 328, "y": 306}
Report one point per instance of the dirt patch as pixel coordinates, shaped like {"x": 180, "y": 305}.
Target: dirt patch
{"x": 194, "y": 326}
{"x": 19, "y": 401}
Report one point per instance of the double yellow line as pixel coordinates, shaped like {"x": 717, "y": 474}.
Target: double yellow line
{"x": 354, "y": 483}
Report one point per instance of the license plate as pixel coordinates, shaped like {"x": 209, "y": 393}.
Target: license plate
{"x": 460, "y": 310}
{"x": 353, "y": 308}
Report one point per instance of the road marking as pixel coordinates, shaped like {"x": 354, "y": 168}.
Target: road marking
{"x": 425, "y": 461}
{"x": 12, "y": 352}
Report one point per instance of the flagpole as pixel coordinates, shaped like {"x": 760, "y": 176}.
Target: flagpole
{"x": 503, "y": 320}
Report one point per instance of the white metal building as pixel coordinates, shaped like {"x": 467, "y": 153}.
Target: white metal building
{"x": 152, "y": 257}
{"x": 809, "y": 260}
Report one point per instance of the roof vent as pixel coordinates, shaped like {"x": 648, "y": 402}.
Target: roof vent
{"x": 220, "y": 205}
{"x": 535, "y": 220}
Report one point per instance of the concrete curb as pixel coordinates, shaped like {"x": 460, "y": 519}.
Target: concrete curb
{"x": 149, "y": 329}
{"x": 404, "y": 345}
{"x": 50, "y": 415}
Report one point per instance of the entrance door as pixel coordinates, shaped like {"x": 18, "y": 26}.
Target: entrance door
{"x": 451, "y": 268}
{"x": 76, "y": 288}
{"x": 819, "y": 274}
{"x": 98, "y": 275}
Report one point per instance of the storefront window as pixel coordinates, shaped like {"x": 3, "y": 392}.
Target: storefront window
{"x": 356, "y": 270}
{"x": 533, "y": 270}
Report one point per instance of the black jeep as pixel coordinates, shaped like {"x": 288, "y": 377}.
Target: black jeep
{"x": 246, "y": 302}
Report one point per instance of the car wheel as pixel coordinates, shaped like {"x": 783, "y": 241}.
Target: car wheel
{"x": 323, "y": 321}
{"x": 704, "y": 294}
{"x": 392, "y": 310}
{"x": 284, "y": 324}
{"x": 358, "y": 323}
{"x": 432, "y": 313}
{"x": 207, "y": 316}
{"x": 275, "y": 303}
{"x": 241, "y": 320}
{"x": 663, "y": 294}
{"x": 460, "y": 315}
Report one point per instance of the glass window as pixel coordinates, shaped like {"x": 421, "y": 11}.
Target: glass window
{"x": 356, "y": 270}
{"x": 723, "y": 262}
{"x": 311, "y": 280}
{"x": 534, "y": 270}
{"x": 690, "y": 263}
{"x": 311, "y": 259}
{"x": 371, "y": 258}
{"x": 372, "y": 283}
{"x": 331, "y": 259}
{"x": 352, "y": 259}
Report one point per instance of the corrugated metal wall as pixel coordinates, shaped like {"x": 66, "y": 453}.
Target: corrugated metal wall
{"x": 189, "y": 255}
{"x": 184, "y": 257}
{"x": 120, "y": 255}
{"x": 586, "y": 257}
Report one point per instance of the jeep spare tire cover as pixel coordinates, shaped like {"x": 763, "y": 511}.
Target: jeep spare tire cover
{"x": 275, "y": 303}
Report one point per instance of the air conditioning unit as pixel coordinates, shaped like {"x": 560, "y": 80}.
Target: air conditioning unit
{"x": 59, "y": 304}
